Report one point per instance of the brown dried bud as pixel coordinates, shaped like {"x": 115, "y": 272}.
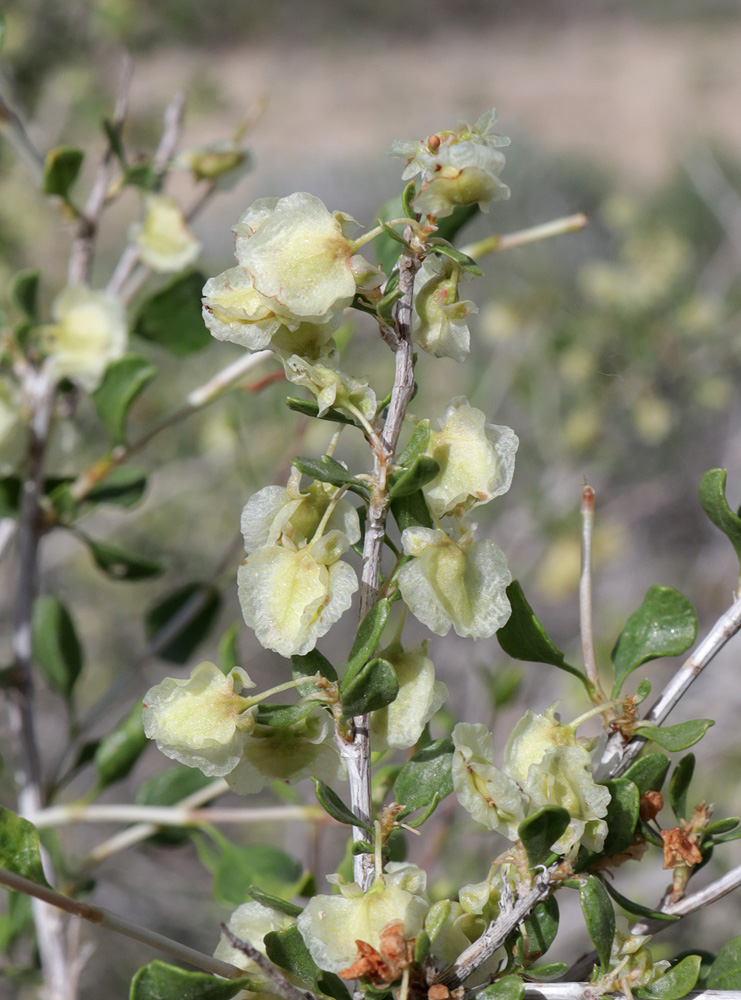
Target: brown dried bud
{"x": 680, "y": 849}
{"x": 433, "y": 143}
{"x": 651, "y": 805}
{"x": 438, "y": 992}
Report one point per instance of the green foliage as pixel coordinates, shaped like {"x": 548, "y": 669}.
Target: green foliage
{"x": 599, "y": 917}
{"x": 675, "y": 983}
{"x": 328, "y": 470}
{"x": 679, "y": 737}
{"x": 411, "y": 510}
{"x": 725, "y": 972}
{"x": 524, "y": 638}
{"x": 664, "y": 625}
{"x": 24, "y": 293}
{"x": 679, "y": 785}
{"x": 287, "y": 950}
{"x": 333, "y": 805}
{"x": 123, "y": 486}
{"x": 160, "y": 981}
{"x": 236, "y": 870}
{"x": 173, "y": 616}
{"x": 637, "y": 909}
{"x": 542, "y": 829}
{"x": 540, "y": 930}
{"x": 171, "y": 318}
{"x": 124, "y": 380}
{"x": 368, "y": 636}
{"x": 426, "y": 777}
{"x": 61, "y": 168}
{"x": 622, "y": 815}
{"x": 506, "y": 988}
{"x": 307, "y": 666}
{"x": 168, "y": 788}
{"x": 55, "y": 645}
{"x": 19, "y": 847}
{"x": 441, "y": 249}
{"x": 648, "y": 772}
{"x": 373, "y": 686}
{"x": 118, "y": 563}
{"x": 715, "y": 505}
{"x": 408, "y": 481}
{"x": 273, "y": 902}
{"x": 117, "y": 753}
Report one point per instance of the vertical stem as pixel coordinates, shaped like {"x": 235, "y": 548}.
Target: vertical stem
{"x": 59, "y": 983}
{"x": 357, "y": 753}
{"x": 585, "y": 591}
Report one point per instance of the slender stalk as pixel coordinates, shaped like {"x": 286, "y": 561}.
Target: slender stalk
{"x": 357, "y": 752}
{"x": 585, "y": 592}
{"x": 497, "y": 243}
{"x": 83, "y": 245}
{"x": 284, "y": 988}
{"x": 155, "y": 816}
{"x": 111, "y": 921}
{"x": 581, "y": 991}
{"x": 14, "y": 130}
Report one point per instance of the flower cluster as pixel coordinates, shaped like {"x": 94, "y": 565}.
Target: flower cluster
{"x": 544, "y": 764}
{"x": 454, "y": 581}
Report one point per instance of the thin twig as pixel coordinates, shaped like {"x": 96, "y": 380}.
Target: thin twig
{"x": 619, "y": 753}
{"x": 12, "y": 127}
{"x": 500, "y": 929}
{"x": 585, "y": 590}
{"x": 156, "y": 816}
{"x": 582, "y": 991}
{"x": 83, "y": 245}
{"x": 546, "y": 230}
{"x": 111, "y": 921}
{"x": 284, "y": 987}
{"x": 357, "y": 753}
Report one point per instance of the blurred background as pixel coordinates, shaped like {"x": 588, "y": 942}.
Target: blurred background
{"x": 615, "y": 353}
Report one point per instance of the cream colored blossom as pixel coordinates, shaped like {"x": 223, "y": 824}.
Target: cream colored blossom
{"x": 400, "y": 724}
{"x": 488, "y": 794}
{"x": 476, "y": 459}
{"x": 88, "y": 333}
{"x": 331, "y": 925}
{"x": 631, "y": 965}
{"x": 201, "y": 721}
{"x": 251, "y": 922}
{"x": 278, "y": 515}
{"x": 288, "y": 754}
{"x": 298, "y": 255}
{"x": 163, "y": 239}
{"x": 459, "y": 583}
{"x": 292, "y": 597}
{"x": 333, "y": 388}
{"x": 439, "y": 325}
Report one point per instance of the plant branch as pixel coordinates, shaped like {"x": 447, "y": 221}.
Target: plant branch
{"x": 111, "y": 921}
{"x": 83, "y": 245}
{"x": 585, "y": 591}
{"x": 499, "y": 930}
{"x": 156, "y": 816}
{"x": 285, "y": 988}
{"x": 619, "y": 754}
{"x": 497, "y": 243}
{"x": 357, "y": 752}
{"x": 12, "y": 127}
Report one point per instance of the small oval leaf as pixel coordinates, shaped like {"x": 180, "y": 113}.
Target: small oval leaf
{"x": 332, "y": 804}
{"x": 56, "y": 648}
{"x": 426, "y": 774}
{"x": 675, "y": 983}
{"x": 506, "y": 988}
{"x": 117, "y": 752}
{"x": 664, "y": 625}
{"x": 123, "y": 381}
{"x": 61, "y": 167}
{"x": 19, "y": 847}
{"x": 599, "y": 917}
{"x": 374, "y": 686}
{"x": 160, "y": 981}
{"x": 648, "y": 772}
{"x": 172, "y": 316}
{"x": 541, "y": 830}
{"x": 679, "y": 784}
{"x": 679, "y": 737}
{"x": 188, "y": 614}
{"x": 725, "y": 972}
{"x": 524, "y": 638}
{"x": 715, "y": 505}
{"x": 367, "y": 638}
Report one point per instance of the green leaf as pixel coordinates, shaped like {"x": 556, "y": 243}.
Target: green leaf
{"x": 675, "y": 983}
{"x": 61, "y": 167}
{"x": 725, "y": 972}
{"x": 679, "y": 785}
{"x": 328, "y": 470}
{"x": 392, "y": 234}
{"x": 622, "y": 815}
{"x": 160, "y": 981}
{"x": 123, "y": 381}
{"x": 307, "y": 666}
{"x": 636, "y": 908}
{"x": 56, "y": 648}
{"x": 648, "y": 772}
{"x": 270, "y": 714}
{"x": 426, "y": 775}
{"x": 2, "y": 29}
{"x": 372, "y": 687}
{"x": 310, "y": 408}
{"x": 524, "y": 638}
{"x": 113, "y": 135}
{"x": 542, "y": 829}
{"x": 332, "y": 804}
{"x": 188, "y": 635}
{"x": 167, "y": 789}
{"x": 449, "y": 227}
{"x": 599, "y": 917}
{"x": 117, "y": 752}
{"x": 19, "y": 847}
{"x": 679, "y": 737}
{"x": 411, "y": 511}
{"x": 407, "y": 481}
{"x": 367, "y": 638}
{"x": 406, "y": 200}
{"x": 461, "y": 259}
{"x": 227, "y": 653}
{"x": 124, "y": 486}
{"x": 541, "y": 928}
{"x": 506, "y": 988}
{"x": 240, "y": 868}
{"x": 642, "y": 691}
{"x": 544, "y": 973}
{"x": 172, "y": 317}
{"x": 287, "y": 950}
{"x": 118, "y": 563}
{"x": 664, "y": 625}
{"x": 24, "y": 293}
{"x": 417, "y": 445}
{"x": 273, "y": 902}
{"x": 721, "y": 826}
{"x": 141, "y": 175}
{"x": 715, "y": 505}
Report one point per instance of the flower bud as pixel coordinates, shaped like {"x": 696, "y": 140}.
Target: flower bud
{"x": 163, "y": 239}
{"x": 439, "y": 325}
{"x": 90, "y": 331}
{"x": 332, "y": 388}
{"x": 489, "y": 795}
